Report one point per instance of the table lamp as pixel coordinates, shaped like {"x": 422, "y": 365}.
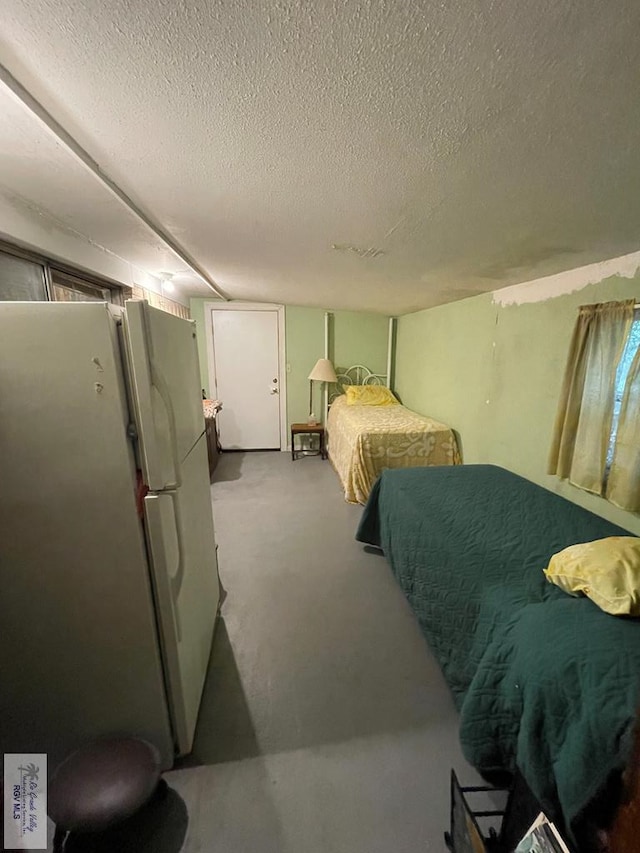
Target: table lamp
{"x": 322, "y": 372}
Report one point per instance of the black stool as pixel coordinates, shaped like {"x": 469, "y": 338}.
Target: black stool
{"x": 102, "y": 784}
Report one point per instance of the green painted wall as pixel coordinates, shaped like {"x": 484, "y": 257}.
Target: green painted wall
{"x": 356, "y": 338}
{"x": 494, "y": 373}
{"x": 359, "y": 338}
{"x": 304, "y": 330}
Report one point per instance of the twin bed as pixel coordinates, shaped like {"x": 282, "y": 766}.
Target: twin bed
{"x": 544, "y": 681}
{"x": 366, "y": 437}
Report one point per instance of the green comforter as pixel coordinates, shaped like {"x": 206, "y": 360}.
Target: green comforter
{"x": 542, "y": 680}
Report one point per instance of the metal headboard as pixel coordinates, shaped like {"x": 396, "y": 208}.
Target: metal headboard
{"x": 355, "y": 375}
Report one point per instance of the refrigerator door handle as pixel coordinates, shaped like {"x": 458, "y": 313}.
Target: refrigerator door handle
{"x": 167, "y": 554}
{"x": 158, "y": 382}
{"x": 145, "y": 379}
{"x": 178, "y": 577}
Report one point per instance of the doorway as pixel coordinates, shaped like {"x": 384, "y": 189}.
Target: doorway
{"x": 246, "y": 355}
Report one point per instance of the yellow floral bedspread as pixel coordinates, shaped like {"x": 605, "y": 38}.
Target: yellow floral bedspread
{"x": 363, "y": 440}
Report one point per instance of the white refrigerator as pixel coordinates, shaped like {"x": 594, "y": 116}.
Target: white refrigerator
{"x": 109, "y": 586}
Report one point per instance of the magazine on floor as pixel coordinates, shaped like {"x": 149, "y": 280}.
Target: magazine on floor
{"x": 542, "y": 837}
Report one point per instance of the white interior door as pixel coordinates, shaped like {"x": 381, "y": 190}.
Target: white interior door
{"x": 247, "y": 378}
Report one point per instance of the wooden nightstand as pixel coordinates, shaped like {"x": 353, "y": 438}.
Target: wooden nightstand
{"x": 307, "y": 429}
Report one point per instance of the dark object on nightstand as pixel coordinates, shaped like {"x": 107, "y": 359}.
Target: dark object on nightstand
{"x": 101, "y": 785}
{"x": 307, "y": 429}
{"x": 211, "y": 409}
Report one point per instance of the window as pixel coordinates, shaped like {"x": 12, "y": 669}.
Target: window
{"x": 596, "y": 441}
{"x": 21, "y": 280}
{"x": 71, "y": 288}
{"x": 622, "y": 375}
{"x": 26, "y": 276}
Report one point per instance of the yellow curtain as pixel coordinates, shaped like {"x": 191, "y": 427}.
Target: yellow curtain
{"x": 623, "y": 485}
{"x": 583, "y": 421}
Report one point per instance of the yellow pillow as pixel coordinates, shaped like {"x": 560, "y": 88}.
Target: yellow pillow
{"x": 607, "y": 571}
{"x": 369, "y": 395}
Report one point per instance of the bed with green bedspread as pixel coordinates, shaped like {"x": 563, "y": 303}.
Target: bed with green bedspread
{"x": 542, "y": 680}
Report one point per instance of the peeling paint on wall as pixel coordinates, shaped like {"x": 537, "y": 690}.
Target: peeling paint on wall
{"x": 541, "y": 289}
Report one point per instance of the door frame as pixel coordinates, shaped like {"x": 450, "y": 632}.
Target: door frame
{"x": 209, "y": 308}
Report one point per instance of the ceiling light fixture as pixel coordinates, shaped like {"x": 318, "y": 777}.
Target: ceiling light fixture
{"x": 166, "y": 282}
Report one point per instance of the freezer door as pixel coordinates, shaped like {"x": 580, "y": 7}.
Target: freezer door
{"x": 165, "y": 389}
{"x": 185, "y": 579}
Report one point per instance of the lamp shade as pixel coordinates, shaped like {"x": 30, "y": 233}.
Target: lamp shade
{"x": 323, "y": 371}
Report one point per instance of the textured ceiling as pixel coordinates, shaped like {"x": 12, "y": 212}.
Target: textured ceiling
{"x": 41, "y": 178}
{"x": 472, "y": 144}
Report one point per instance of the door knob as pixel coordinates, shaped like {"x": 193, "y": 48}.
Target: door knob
{"x": 274, "y": 391}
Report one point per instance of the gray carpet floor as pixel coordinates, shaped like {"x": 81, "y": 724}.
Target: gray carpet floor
{"x": 325, "y": 724}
